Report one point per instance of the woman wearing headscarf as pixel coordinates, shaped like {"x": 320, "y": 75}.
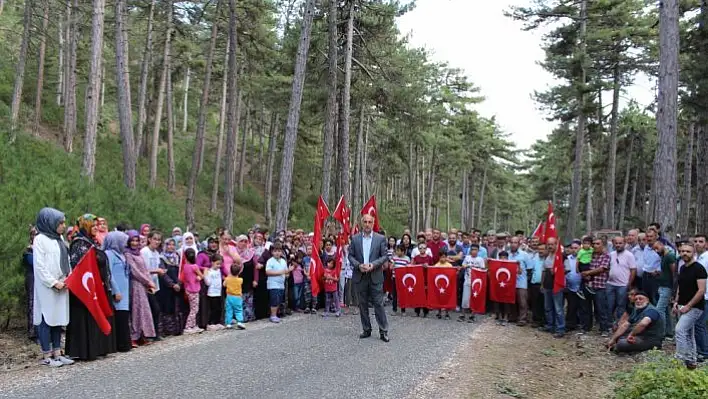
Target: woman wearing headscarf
{"x": 248, "y": 274}
{"x": 28, "y": 265}
{"x": 227, "y": 252}
{"x": 170, "y": 296}
{"x": 144, "y": 231}
{"x": 51, "y": 297}
{"x": 114, "y": 244}
{"x": 141, "y": 323}
{"x": 204, "y": 263}
{"x": 84, "y": 339}
{"x": 102, "y": 226}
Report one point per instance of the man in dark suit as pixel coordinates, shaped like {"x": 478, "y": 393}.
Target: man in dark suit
{"x": 367, "y": 254}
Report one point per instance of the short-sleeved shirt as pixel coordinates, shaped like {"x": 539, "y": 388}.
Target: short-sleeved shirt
{"x": 621, "y": 266}
{"x": 191, "y": 282}
{"x": 472, "y": 262}
{"x": 276, "y": 265}
{"x": 435, "y": 247}
{"x": 599, "y": 281}
{"x": 666, "y": 278}
{"x": 233, "y": 285}
{"x": 331, "y": 286}
{"x": 688, "y": 283}
{"x": 453, "y": 251}
{"x": 213, "y": 279}
{"x": 655, "y": 330}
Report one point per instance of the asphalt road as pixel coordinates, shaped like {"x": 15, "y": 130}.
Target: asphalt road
{"x": 303, "y": 357}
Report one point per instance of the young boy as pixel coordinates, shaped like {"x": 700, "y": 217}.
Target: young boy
{"x": 276, "y": 270}
{"x": 422, "y": 258}
{"x": 442, "y": 262}
{"x": 399, "y": 260}
{"x": 471, "y": 261}
{"x": 503, "y": 309}
{"x": 584, "y": 259}
{"x": 234, "y": 301}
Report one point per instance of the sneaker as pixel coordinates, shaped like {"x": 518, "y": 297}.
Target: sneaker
{"x": 241, "y": 326}
{"x": 558, "y": 335}
{"x": 218, "y": 327}
{"x": 51, "y": 362}
{"x": 447, "y": 316}
{"x": 306, "y": 311}
{"x": 580, "y": 294}
{"x": 274, "y": 319}
{"x": 313, "y": 311}
{"x": 471, "y": 319}
{"x": 211, "y": 327}
{"x": 64, "y": 360}
{"x": 325, "y": 314}
{"x": 669, "y": 338}
{"x": 461, "y": 318}
{"x": 229, "y": 326}
{"x": 605, "y": 334}
{"x": 503, "y": 323}
{"x": 581, "y": 332}
{"x": 439, "y": 316}
{"x": 457, "y": 309}
{"x": 338, "y": 314}
{"x": 589, "y": 290}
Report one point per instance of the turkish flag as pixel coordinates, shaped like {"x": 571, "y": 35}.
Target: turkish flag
{"x": 339, "y": 256}
{"x": 355, "y": 230}
{"x": 478, "y": 294}
{"x": 370, "y": 209}
{"x": 502, "y": 280}
{"x": 316, "y": 271}
{"x": 558, "y": 270}
{"x": 322, "y": 211}
{"x": 550, "y": 230}
{"x": 410, "y": 287}
{"x": 86, "y": 284}
{"x": 442, "y": 287}
{"x": 540, "y": 231}
{"x": 342, "y": 214}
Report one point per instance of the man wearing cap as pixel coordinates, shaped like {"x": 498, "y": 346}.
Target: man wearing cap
{"x": 640, "y": 329}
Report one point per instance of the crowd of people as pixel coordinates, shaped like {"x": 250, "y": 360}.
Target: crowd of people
{"x": 638, "y": 290}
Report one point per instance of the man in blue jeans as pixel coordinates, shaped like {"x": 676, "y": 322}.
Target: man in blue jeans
{"x": 665, "y": 284}
{"x": 552, "y": 302}
{"x": 701, "y": 244}
{"x": 689, "y": 304}
{"x": 599, "y": 270}
{"x": 623, "y": 271}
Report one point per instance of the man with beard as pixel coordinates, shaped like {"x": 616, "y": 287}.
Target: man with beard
{"x": 689, "y": 303}
{"x": 642, "y": 330}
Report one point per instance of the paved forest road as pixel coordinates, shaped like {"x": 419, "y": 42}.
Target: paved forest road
{"x": 303, "y": 357}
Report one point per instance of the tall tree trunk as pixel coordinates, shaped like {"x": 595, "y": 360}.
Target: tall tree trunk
{"x": 701, "y": 176}
{"x": 588, "y": 201}
{"x": 633, "y": 201}
{"x": 447, "y": 207}
{"x": 576, "y": 185}
{"x": 358, "y": 201}
{"x": 687, "y": 175}
{"x": 365, "y": 155}
{"x": 232, "y": 123}
{"x": 482, "y": 189}
{"x": 664, "y": 176}
{"x": 40, "y": 69}
{"x": 20, "y": 71}
{"x": 169, "y": 93}
{"x": 125, "y": 112}
{"x": 70, "y": 78}
{"x": 272, "y": 141}
{"x": 2, "y": 6}
{"x": 286, "y": 174}
{"x": 244, "y": 147}
{"x": 345, "y": 110}
{"x": 331, "y": 108}
{"x": 198, "y": 153}
{"x": 185, "y": 100}
{"x": 625, "y": 188}
{"x": 142, "y": 89}
{"x": 60, "y": 63}
{"x": 411, "y": 188}
{"x": 431, "y": 190}
{"x": 471, "y": 202}
{"x": 154, "y": 148}
{"x": 421, "y": 190}
{"x": 261, "y": 144}
{"x": 220, "y": 141}
{"x": 612, "y": 167}
{"x": 463, "y": 201}
{"x": 93, "y": 89}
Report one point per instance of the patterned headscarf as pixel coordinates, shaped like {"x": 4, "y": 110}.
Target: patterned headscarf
{"x": 132, "y": 234}
{"x": 85, "y": 224}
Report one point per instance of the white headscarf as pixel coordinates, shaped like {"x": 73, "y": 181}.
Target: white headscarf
{"x": 185, "y": 247}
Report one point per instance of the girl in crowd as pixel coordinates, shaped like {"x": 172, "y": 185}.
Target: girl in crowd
{"x": 192, "y": 278}
{"x": 114, "y": 244}
{"x": 204, "y": 262}
{"x": 84, "y": 340}
{"x": 141, "y": 326}
{"x": 212, "y": 278}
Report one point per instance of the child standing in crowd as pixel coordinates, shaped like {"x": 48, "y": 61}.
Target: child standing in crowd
{"x": 471, "y": 261}
{"x": 192, "y": 278}
{"x": 331, "y": 283}
{"x": 276, "y": 270}
{"x": 503, "y": 309}
{"x": 399, "y": 260}
{"x": 423, "y": 258}
{"x": 584, "y": 259}
{"x": 442, "y": 262}
{"x": 298, "y": 281}
{"x": 309, "y": 301}
{"x": 213, "y": 282}
{"x": 234, "y": 301}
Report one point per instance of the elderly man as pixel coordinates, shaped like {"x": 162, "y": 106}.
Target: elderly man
{"x": 640, "y": 329}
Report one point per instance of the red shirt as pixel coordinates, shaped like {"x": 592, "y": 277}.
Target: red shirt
{"x": 330, "y": 286}
{"x": 435, "y": 247}
{"x": 422, "y": 260}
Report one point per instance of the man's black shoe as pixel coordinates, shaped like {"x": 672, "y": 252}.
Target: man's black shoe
{"x": 365, "y": 334}
{"x": 384, "y": 337}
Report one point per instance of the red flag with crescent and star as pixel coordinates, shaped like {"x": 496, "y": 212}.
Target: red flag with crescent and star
{"x": 502, "y": 280}
{"x": 442, "y": 287}
{"x": 316, "y": 271}
{"x": 410, "y": 287}
{"x": 342, "y": 214}
{"x": 558, "y": 269}
{"x": 540, "y": 231}
{"x": 370, "y": 209}
{"x": 550, "y": 230}
{"x": 478, "y": 292}
{"x": 86, "y": 284}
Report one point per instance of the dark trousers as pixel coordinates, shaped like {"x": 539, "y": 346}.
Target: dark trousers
{"x": 155, "y": 309}
{"x": 640, "y": 344}
{"x": 460, "y": 286}
{"x": 572, "y": 316}
{"x": 214, "y": 310}
{"x": 536, "y": 304}
{"x": 651, "y": 287}
{"x": 371, "y": 292}
{"x": 122, "y": 331}
{"x": 394, "y": 295}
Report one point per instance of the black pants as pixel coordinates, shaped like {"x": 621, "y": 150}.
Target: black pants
{"x": 394, "y": 295}
{"x": 371, "y": 292}
{"x": 460, "y": 285}
{"x": 572, "y": 316}
{"x": 155, "y": 310}
{"x": 536, "y": 304}
{"x": 122, "y": 324}
{"x": 215, "y": 313}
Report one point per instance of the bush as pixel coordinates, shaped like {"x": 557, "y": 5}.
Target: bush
{"x": 662, "y": 377}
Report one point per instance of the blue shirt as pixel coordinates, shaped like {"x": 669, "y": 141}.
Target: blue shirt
{"x": 652, "y": 260}
{"x": 537, "y": 263}
{"x": 638, "y": 253}
{"x": 572, "y": 278}
{"x": 483, "y": 252}
{"x": 521, "y": 257}
{"x": 120, "y": 279}
{"x": 366, "y": 246}
{"x": 276, "y": 282}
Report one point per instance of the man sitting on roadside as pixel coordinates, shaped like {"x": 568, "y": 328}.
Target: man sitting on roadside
{"x": 642, "y": 328}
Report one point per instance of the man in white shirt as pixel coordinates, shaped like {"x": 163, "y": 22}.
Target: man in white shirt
{"x": 151, "y": 257}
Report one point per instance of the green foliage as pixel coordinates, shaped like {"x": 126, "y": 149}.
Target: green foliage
{"x": 661, "y": 377}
